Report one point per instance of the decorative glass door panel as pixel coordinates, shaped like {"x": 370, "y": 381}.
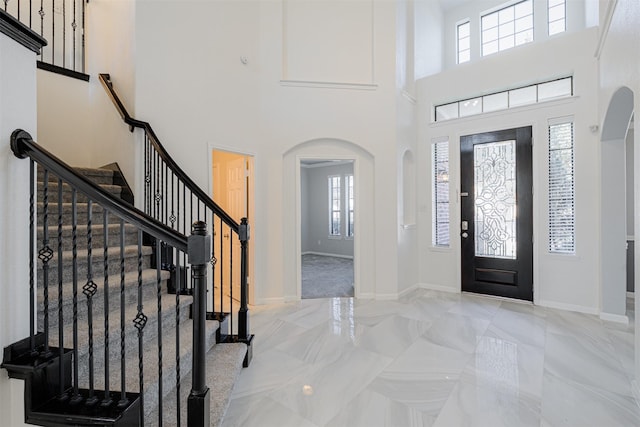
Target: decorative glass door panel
{"x": 495, "y": 199}
{"x": 496, "y": 208}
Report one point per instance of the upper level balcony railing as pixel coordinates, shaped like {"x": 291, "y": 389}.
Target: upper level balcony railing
{"x": 62, "y": 24}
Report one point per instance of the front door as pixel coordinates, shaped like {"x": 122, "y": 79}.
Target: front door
{"x": 497, "y": 208}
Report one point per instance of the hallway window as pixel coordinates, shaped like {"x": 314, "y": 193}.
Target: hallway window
{"x": 464, "y": 42}
{"x": 348, "y": 185}
{"x": 561, "y": 188}
{"x": 557, "y": 17}
{"x": 334, "y": 205}
{"x": 508, "y": 27}
{"x": 440, "y": 193}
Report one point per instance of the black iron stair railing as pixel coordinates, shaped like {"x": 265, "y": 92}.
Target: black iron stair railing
{"x": 62, "y": 24}
{"x": 63, "y": 370}
{"x": 173, "y": 198}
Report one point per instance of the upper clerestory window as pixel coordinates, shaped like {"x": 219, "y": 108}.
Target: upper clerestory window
{"x": 557, "y": 16}
{"x": 464, "y": 42}
{"x": 508, "y": 27}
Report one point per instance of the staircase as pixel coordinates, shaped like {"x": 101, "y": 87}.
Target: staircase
{"x": 117, "y": 365}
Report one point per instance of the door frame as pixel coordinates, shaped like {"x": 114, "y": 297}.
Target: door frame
{"x": 251, "y": 212}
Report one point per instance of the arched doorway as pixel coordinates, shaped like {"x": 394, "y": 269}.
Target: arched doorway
{"x": 363, "y": 238}
{"x": 614, "y": 206}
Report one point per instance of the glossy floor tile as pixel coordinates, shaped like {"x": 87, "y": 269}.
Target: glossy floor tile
{"x": 434, "y": 359}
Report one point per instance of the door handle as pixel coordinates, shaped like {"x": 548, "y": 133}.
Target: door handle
{"x": 465, "y": 235}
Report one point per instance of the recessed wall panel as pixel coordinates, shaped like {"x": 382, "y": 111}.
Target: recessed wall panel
{"x": 328, "y": 41}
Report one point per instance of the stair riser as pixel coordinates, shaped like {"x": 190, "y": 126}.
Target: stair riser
{"x": 97, "y": 237}
{"x": 130, "y": 266}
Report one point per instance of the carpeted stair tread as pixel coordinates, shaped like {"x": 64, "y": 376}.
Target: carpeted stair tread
{"x": 115, "y": 190}
{"x": 97, "y": 262}
{"x": 223, "y": 365}
{"x": 149, "y": 280}
{"x": 96, "y": 175}
{"x": 97, "y": 235}
{"x": 150, "y": 310}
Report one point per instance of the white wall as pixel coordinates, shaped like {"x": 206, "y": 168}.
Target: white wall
{"x": 77, "y": 122}
{"x": 217, "y": 99}
{"x": 17, "y": 110}
{"x": 560, "y": 281}
{"x": 576, "y": 12}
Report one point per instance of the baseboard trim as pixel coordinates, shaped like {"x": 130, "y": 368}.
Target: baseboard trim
{"x": 365, "y": 295}
{"x": 269, "y": 301}
{"x": 327, "y": 254}
{"x": 386, "y": 297}
{"x": 617, "y": 318}
{"x": 441, "y": 288}
{"x": 567, "y": 307}
{"x": 631, "y": 294}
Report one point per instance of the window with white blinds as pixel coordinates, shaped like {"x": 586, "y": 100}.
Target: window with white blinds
{"x": 561, "y": 189}
{"x": 440, "y": 193}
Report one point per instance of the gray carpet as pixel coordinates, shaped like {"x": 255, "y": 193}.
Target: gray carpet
{"x": 326, "y": 276}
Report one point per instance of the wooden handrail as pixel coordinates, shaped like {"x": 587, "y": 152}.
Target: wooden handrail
{"x": 105, "y": 79}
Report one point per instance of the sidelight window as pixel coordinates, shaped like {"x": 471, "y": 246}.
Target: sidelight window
{"x": 561, "y": 188}
{"x": 440, "y": 193}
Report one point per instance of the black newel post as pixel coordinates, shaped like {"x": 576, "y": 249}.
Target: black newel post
{"x": 243, "y": 313}
{"x": 199, "y": 253}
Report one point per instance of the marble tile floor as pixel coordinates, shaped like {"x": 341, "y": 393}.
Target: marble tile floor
{"x": 434, "y": 359}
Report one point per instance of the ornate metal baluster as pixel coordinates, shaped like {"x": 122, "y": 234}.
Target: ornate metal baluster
{"x": 178, "y": 289}
{"x": 173, "y": 218}
{"x": 64, "y": 34}
{"x": 45, "y": 255}
{"x": 74, "y": 25}
{"x": 221, "y": 259}
{"x": 62, "y": 393}
{"x": 106, "y": 401}
{"x": 214, "y": 261}
{"x": 139, "y": 322}
{"x": 89, "y": 290}
{"x": 76, "y": 398}
{"x": 165, "y": 175}
{"x": 32, "y": 237}
{"x": 159, "y": 300}
{"x": 123, "y": 371}
{"x": 147, "y": 176}
{"x": 158, "y": 195}
{"x": 230, "y": 238}
{"x": 53, "y": 32}
{"x": 82, "y": 35}
{"x": 41, "y": 12}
